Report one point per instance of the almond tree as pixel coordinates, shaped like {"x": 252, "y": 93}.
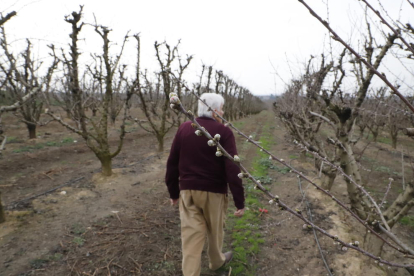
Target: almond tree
{"x": 370, "y": 59}
{"x": 375, "y": 121}
{"x": 4, "y": 79}
{"x": 20, "y": 82}
{"x": 153, "y": 95}
{"x": 93, "y": 130}
{"x": 3, "y": 138}
{"x": 396, "y": 118}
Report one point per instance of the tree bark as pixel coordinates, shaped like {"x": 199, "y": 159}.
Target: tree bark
{"x": 372, "y": 244}
{"x": 350, "y": 167}
{"x": 328, "y": 181}
{"x": 160, "y": 143}
{"x": 32, "y": 131}
{"x": 409, "y": 132}
{"x": 394, "y": 139}
{"x": 106, "y": 164}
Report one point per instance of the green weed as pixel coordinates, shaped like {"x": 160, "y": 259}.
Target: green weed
{"x": 29, "y": 148}
{"x": 67, "y": 140}
{"x": 408, "y": 220}
{"x": 78, "y": 241}
{"x": 383, "y": 169}
{"x": 77, "y": 229}
{"x": 56, "y": 257}
{"x": 384, "y": 140}
{"x": 38, "y": 146}
{"x": 12, "y": 140}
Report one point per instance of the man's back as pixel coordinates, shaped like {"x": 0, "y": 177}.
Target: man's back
{"x": 198, "y": 167}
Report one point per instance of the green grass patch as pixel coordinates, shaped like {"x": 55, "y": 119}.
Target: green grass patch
{"x": 383, "y": 169}
{"x": 14, "y": 140}
{"x": 309, "y": 155}
{"x": 239, "y": 124}
{"x": 31, "y": 148}
{"x": 67, "y": 140}
{"x": 245, "y": 239}
{"x": 78, "y": 241}
{"x": 408, "y": 220}
{"x": 77, "y": 229}
{"x": 384, "y": 140}
{"x": 380, "y": 139}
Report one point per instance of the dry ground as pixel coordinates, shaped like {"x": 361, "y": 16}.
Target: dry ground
{"x": 123, "y": 225}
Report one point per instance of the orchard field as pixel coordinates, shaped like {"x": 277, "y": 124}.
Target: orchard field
{"x": 327, "y": 163}
{"x": 124, "y": 225}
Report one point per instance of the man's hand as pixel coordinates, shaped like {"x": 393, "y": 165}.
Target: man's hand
{"x": 173, "y": 201}
{"x": 239, "y": 213}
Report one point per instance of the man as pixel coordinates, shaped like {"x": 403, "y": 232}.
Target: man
{"x": 198, "y": 180}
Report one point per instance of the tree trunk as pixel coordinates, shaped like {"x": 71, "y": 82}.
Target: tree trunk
{"x": 328, "y": 181}
{"x": 2, "y": 215}
{"x": 106, "y": 164}
{"x": 350, "y": 167}
{"x": 394, "y": 141}
{"x": 32, "y": 131}
{"x": 372, "y": 244}
{"x": 375, "y": 135}
{"x": 160, "y": 143}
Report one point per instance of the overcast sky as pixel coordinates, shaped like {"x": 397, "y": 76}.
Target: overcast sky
{"x": 242, "y": 38}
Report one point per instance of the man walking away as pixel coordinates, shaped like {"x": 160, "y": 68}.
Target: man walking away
{"x": 198, "y": 180}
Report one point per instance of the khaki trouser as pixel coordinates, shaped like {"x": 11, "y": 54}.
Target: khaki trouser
{"x": 202, "y": 214}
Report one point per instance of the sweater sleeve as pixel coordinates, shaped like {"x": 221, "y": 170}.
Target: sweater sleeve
{"x": 173, "y": 173}
{"x": 232, "y": 170}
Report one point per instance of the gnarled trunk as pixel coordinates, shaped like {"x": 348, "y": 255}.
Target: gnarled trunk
{"x": 160, "y": 140}
{"x": 350, "y": 168}
{"x": 106, "y": 163}
{"x": 32, "y": 131}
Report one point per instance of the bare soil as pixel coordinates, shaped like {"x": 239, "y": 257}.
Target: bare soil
{"x": 124, "y": 225}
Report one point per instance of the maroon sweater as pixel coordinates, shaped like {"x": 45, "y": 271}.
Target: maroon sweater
{"x": 193, "y": 165}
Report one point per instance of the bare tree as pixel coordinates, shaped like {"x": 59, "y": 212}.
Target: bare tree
{"x": 383, "y": 221}
{"x": 154, "y": 95}
{"x": 22, "y": 78}
{"x": 96, "y": 136}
